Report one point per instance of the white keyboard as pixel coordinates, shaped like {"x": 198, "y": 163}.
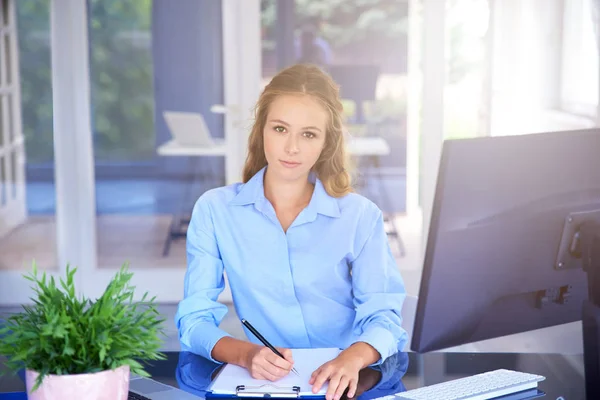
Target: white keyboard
{"x": 483, "y": 386}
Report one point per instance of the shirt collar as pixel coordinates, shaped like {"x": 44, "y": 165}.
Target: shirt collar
{"x": 253, "y": 192}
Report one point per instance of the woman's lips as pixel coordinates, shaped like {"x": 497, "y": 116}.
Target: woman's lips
{"x": 289, "y": 164}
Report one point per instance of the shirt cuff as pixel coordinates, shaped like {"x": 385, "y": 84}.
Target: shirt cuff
{"x": 202, "y": 338}
{"x": 381, "y": 339}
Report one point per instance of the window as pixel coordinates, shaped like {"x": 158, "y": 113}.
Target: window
{"x": 121, "y": 77}
{"x": 580, "y": 70}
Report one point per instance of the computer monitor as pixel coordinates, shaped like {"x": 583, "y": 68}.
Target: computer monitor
{"x": 504, "y": 247}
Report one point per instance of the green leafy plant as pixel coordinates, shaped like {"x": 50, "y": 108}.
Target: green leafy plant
{"x": 63, "y": 334}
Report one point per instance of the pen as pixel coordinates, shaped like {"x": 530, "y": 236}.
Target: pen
{"x": 264, "y": 341}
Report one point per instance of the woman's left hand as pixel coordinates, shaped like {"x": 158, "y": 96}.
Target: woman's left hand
{"x": 342, "y": 371}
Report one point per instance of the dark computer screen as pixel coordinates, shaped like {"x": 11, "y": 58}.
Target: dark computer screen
{"x": 501, "y": 254}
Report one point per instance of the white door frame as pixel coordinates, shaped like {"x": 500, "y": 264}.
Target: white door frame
{"x": 74, "y": 147}
{"x": 73, "y": 152}
{"x": 13, "y": 210}
{"x": 242, "y": 73}
{"x": 14, "y": 289}
{"x": 413, "y": 109}
{"x": 432, "y": 104}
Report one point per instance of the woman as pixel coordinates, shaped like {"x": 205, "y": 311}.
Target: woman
{"x": 307, "y": 260}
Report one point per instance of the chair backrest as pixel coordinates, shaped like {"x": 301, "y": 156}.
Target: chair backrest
{"x": 409, "y": 310}
{"x": 188, "y": 128}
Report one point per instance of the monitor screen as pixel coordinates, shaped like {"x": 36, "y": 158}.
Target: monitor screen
{"x": 500, "y": 256}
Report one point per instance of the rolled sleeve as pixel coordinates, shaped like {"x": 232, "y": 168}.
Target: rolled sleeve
{"x": 203, "y": 337}
{"x": 379, "y": 293}
{"x": 199, "y": 313}
{"x": 382, "y": 339}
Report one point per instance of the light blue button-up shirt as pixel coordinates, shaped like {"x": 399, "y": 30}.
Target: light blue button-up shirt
{"x": 329, "y": 281}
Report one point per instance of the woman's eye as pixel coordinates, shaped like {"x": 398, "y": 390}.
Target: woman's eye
{"x": 279, "y": 129}
{"x": 309, "y": 135}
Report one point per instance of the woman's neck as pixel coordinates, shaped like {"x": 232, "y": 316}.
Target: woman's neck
{"x": 286, "y": 195}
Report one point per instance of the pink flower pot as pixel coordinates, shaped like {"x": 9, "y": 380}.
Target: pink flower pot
{"x": 104, "y": 385}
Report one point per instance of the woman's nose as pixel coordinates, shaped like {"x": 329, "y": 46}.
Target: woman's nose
{"x": 291, "y": 145}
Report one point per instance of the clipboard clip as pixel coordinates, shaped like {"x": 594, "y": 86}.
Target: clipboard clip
{"x": 268, "y": 390}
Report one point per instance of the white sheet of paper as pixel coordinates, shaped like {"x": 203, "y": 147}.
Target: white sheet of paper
{"x": 306, "y": 361}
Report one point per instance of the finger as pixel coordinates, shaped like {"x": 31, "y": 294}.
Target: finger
{"x": 261, "y": 364}
{"x": 313, "y": 376}
{"x": 320, "y": 379}
{"x": 333, "y": 384}
{"x": 268, "y": 375}
{"x": 287, "y": 354}
{"x": 316, "y": 372}
{"x": 341, "y": 387}
{"x": 256, "y": 372}
{"x": 257, "y": 375}
{"x": 353, "y": 387}
{"x": 274, "y": 369}
{"x": 278, "y": 361}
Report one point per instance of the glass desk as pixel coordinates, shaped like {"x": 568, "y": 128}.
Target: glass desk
{"x": 404, "y": 371}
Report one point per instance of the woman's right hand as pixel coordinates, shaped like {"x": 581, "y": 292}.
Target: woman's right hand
{"x": 262, "y": 363}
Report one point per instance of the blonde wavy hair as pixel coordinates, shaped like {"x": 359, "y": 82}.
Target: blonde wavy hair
{"x": 332, "y": 167}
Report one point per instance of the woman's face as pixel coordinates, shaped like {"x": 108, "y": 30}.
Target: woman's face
{"x": 294, "y": 136}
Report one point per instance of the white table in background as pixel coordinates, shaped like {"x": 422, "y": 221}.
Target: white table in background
{"x": 371, "y": 147}
{"x": 359, "y": 146}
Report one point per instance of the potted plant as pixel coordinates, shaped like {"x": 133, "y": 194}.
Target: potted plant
{"x": 75, "y": 348}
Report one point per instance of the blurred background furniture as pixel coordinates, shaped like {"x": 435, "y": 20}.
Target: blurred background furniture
{"x": 185, "y": 125}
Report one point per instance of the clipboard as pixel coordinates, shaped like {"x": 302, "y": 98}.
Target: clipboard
{"x": 268, "y": 391}
{"x": 271, "y": 391}
{"x": 13, "y": 396}
{"x": 235, "y": 382}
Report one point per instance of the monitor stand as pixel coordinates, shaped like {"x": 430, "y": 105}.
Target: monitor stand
{"x": 589, "y": 246}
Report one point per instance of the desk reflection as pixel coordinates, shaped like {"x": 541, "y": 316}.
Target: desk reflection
{"x": 195, "y": 373}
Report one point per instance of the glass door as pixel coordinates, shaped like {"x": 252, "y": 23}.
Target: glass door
{"x": 147, "y": 60}
{"x": 28, "y": 218}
